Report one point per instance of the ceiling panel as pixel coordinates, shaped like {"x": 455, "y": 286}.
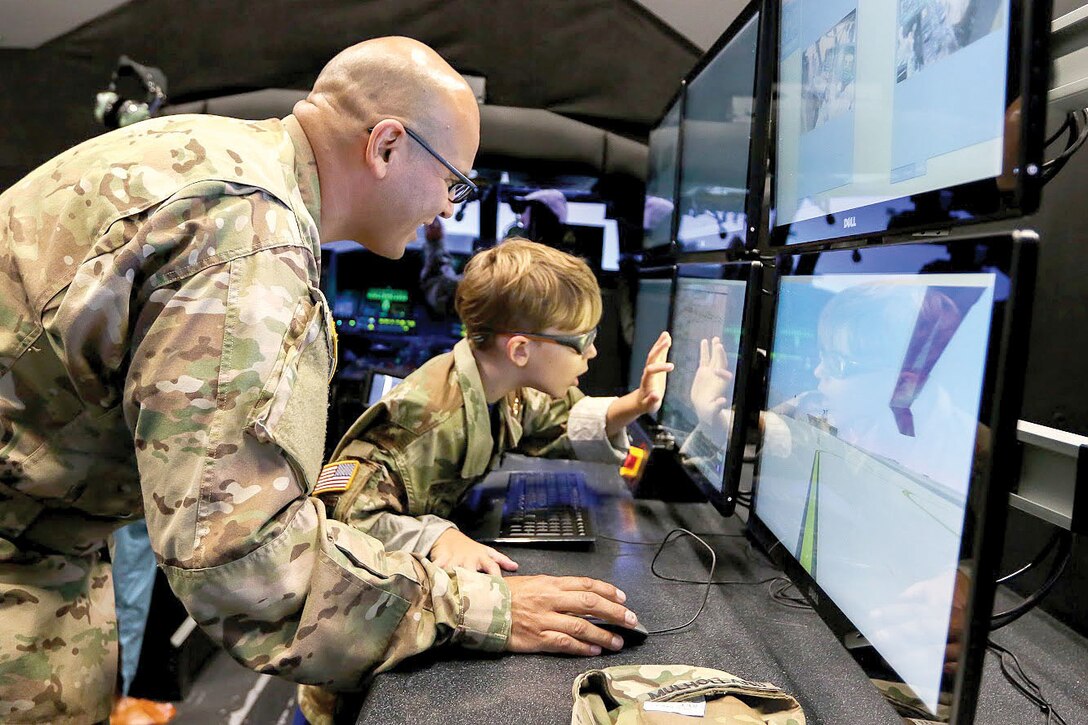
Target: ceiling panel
{"x": 29, "y": 23}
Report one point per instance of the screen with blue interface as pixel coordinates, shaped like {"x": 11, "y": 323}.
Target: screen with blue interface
{"x": 883, "y": 101}
{"x": 706, "y": 329}
{"x": 651, "y": 319}
{"x": 717, "y": 135}
{"x": 380, "y": 385}
{"x": 664, "y": 147}
{"x": 869, "y": 438}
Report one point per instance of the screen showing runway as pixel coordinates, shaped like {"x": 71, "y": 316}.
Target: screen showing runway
{"x": 870, "y": 431}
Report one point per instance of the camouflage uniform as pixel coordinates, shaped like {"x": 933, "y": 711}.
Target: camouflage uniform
{"x": 164, "y": 349}
{"x": 628, "y": 694}
{"x": 426, "y": 442}
{"x": 423, "y": 445}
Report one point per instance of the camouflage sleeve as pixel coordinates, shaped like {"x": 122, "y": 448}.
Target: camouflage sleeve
{"x": 569, "y": 427}
{"x": 377, "y": 504}
{"x": 226, "y": 396}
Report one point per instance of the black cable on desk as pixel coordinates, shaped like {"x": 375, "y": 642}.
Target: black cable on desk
{"x": 709, "y": 577}
{"x": 659, "y": 543}
{"x": 1019, "y": 679}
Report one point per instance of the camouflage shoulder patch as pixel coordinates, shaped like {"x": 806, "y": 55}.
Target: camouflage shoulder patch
{"x": 336, "y": 477}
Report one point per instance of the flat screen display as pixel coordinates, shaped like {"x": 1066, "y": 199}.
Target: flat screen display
{"x": 652, "y": 302}
{"x": 380, "y": 385}
{"x": 664, "y": 155}
{"x": 900, "y": 115}
{"x": 717, "y": 126}
{"x": 712, "y": 312}
{"x": 877, "y": 426}
{"x": 606, "y": 251}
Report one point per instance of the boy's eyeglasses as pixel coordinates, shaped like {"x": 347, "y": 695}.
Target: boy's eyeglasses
{"x": 578, "y": 343}
{"x": 462, "y": 189}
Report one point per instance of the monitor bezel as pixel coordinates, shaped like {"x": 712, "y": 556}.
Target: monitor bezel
{"x": 669, "y": 248}
{"x": 995, "y": 468}
{"x": 1026, "y": 81}
{"x": 661, "y": 271}
{"x": 725, "y": 500}
{"x": 757, "y": 138}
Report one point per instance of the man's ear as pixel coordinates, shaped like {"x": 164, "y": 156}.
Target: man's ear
{"x": 517, "y": 350}
{"x": 383, "y": 142}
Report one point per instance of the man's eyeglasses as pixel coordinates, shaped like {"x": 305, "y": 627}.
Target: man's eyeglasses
{"x": 459, "y": 190}
{"x": 578, "y": 343}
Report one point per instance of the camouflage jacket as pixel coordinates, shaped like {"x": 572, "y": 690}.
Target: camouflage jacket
{"x": 165, "y": 350}
{"x": 423, "y": 445}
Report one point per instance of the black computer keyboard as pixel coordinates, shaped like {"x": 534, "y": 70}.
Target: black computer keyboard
{"x": 547, "y": 507}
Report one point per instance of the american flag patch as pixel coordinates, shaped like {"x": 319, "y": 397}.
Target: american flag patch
{"x": 336, "y": 477}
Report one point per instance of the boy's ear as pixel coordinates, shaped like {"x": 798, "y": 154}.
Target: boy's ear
{"x": 517, "y": 350}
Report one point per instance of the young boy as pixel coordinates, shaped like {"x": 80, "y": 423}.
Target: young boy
{"x": 530, "y": 313}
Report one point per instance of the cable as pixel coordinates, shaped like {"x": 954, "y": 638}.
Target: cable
{"x": 709, "y": 577}
{"x": 1061, "y": 129}
{"x": 1034, "y": 562}
{"x": 1078, "y": 134}
{"x": 1024, "y": 684}
{"x": 1061, "y": 559}
{"x": 658, "y": 543}
{"x": 778, "y": 588}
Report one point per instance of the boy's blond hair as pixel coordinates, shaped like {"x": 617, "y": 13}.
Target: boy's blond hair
{"x": 522, "y": 286}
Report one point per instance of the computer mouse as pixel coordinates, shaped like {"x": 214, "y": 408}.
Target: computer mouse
{"x": 631, "y": 636}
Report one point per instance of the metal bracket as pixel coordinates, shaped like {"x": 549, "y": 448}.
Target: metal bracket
{"x": 1054, "y": 465}
{"x": 1069, "y": 57}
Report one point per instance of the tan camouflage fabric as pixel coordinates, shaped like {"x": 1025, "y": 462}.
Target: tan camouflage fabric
{"x": 618, "y": 696}
{"x": 165, "y": 349}
{"x": 911, "y": 707}
{"x": 424, "y": 444}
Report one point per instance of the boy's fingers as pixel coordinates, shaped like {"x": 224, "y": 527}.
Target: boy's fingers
{"x": 502, "y": 560}
{"x": 704, "y": 353}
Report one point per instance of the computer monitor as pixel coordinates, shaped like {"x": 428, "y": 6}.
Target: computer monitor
{"x": 705, "y": 400}
{"x": 375, "y": 294}
{"x": 653, "y": 300}
{"x": 663, "y": 169}
{"x": 888, "y": 441}
{"x": 908, "y": 115}
{"x": 719, "y": 107}
{"x": 380, "y": 385}
{"x": 460, "y": 232}
{"x": 595, "y": 215}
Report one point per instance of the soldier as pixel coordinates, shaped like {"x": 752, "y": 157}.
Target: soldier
{"x": 165, "y": 351}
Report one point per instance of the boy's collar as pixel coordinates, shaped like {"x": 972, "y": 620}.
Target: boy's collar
{"x": 479, "y": 443}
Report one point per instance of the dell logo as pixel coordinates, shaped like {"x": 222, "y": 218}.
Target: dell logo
{"x": 849, "y": 222}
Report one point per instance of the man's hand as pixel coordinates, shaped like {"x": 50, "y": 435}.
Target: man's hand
{"x": 651, "y": 389}
{"x": 710, "y": 386}
{"x": 545, "y": 613}
{"x": 453, "y": 549}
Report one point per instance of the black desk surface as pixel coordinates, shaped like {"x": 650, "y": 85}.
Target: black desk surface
{"x": 742, "y": 631}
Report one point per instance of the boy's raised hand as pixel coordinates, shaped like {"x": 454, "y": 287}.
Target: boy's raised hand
{"x": 453, "y": 549}
{"x": 651, "y": 389}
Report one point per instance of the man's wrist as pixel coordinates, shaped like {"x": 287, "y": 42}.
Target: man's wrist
{"x": 485, "y": 611}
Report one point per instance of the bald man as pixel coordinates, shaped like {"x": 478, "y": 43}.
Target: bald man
{"x": 165, "y": 352}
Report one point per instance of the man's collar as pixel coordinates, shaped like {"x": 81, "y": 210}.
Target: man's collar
{"x": 309, "y": 185}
